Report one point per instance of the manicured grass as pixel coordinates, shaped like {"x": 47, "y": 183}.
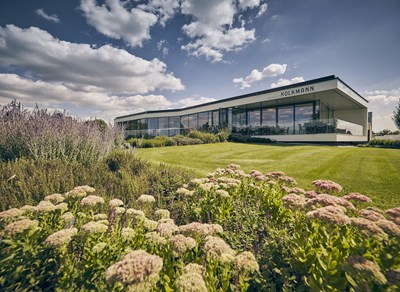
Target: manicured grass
{"x": 371, "y": 171}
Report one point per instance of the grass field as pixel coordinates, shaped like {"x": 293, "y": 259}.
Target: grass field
{"x": 371, "y": 171}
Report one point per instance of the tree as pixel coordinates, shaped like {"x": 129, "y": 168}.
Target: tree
{"x": 396, "y": 115}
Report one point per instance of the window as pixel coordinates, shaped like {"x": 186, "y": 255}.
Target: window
{"x": 192, "y": 121}
{"x": 285, "y": 119}
{"x": 215, "y": 118}
{"x": 174, "y": 125}
{"x": 203, "y": 121}
{"x": 269, "y": 117}
{"x": 303, "y": 116}
{"x": 254, "y": 117}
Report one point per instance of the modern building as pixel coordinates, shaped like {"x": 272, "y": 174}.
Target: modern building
{"x": 320, "y": 110}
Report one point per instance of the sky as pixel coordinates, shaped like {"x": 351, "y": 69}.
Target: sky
{"x": 109, "y": 58}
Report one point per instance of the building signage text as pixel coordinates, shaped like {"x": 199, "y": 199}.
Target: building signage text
{"x": 297, "y": 91}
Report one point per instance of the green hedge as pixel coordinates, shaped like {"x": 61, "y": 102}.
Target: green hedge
{"x": 235, "y": 137}
{"x": 384, "y": 143}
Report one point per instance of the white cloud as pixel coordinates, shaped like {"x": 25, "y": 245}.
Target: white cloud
{"x": 42, "y": 13}
{"x": 114, "y": 20}
{"x": 165, "y": 9}
{"x": 283, "y": 82}
{"x": 384, "y": 96}
{"x": 271, "y": 70}
{"x": 162, "y": 46}
{"x": 211, "y": 31}
{"x": 262, "y": 10}
{"x": 190, "y": 101}
{"x": 57, "y": 94}
{"x": 244, "y": 4}
{"x": 80, "y": 66}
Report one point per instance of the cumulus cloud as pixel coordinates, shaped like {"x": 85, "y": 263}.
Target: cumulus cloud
{"x": 164, "y": 9}
{"x": 384, "y": 96}
{"x": 283, "y": 82}
{"x": 114, "y": 20}
{"x": 53, "y": 17}
{"x": 56, "y": 94}
{"x": 81, "y": 67}
{"x": 190, "y": 101}
{"x": 271, "y": 70}
{"x": 211, "y": 30}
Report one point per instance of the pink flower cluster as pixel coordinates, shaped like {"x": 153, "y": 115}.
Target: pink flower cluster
{"x": 327, "y": 185}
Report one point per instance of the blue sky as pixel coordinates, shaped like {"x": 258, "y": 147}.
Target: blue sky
{"x": 110, "y": 58}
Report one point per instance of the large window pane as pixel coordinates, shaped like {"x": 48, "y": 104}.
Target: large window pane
{"x": 303, "y": 117}
{"x": 174, "y": 126}
{"x": 269, "y": 117}
{"x": 203, "y": 121}
{"x": 215, "y": 118}
{"x": 192, "y": 121}
{"x": 238, "y": 117}
{"x": 254, "y": 118}
{"x": 285, "y": 119}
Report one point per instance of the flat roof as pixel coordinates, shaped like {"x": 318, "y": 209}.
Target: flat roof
{"x": 318, "y": 80}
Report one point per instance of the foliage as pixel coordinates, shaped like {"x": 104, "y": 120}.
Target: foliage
{"x": 302, "y": 240}
{"x": 83, "y": 242}
{"x": 386, "y": 132}
{"x": 120, "y": 173}
{"x": 396, "y": 115}
{"x": 39, "y": 134}
{"x": 236, "y": 137}
{"x": 386, "y": 143}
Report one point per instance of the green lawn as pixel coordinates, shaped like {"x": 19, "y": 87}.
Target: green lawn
{"x": 371, "y": 171}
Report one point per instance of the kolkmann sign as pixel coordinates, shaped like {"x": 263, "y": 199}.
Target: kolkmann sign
{"x": 301, "y": 90}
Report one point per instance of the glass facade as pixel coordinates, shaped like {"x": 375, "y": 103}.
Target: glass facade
{"x": 312, "y": 117}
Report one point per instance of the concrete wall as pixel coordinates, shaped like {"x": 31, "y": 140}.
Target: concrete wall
{"x": 356, "y": 116}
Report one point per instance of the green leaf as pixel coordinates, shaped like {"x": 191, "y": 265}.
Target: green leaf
{"x": 351, "y": 280}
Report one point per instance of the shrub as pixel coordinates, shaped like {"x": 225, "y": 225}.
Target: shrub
{"x": 206, "y": 138}
{"x": 187, "y": 141}
{"x": 39, "y": 134}
{"x": 236, "y": 137}
{"x": 223, "y": 135}
{"x": 384, "y": 143}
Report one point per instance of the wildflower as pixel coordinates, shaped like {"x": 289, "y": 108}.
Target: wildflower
{"x": 167, "y": 229}
{"x": 297, "y": 190}
{"x": 62, "y": 206}
{"x": 240, "y": 173}
{"x": 115, "y": 203}
{"x": 246, "y": 262}
{"x": 77, "y": 192}
{"x": 136, "y": 267}
{"x": 61, "y": 238}
{"x": 365, "y": 269}
{"x": 213, "y": 228}
{"x": 326, "y": 200}
{"x": 169, "y": 221}
{"x": 28, "y": 208}
{"x": 95, "y": 227}
{"x": 155, "y": 239}
{"x": 128, "y": 233}
{"x": 194, "y": 229}
{"x": 215, "y": 247}
{"x": 275, "y": 174}
{"x": 11, "y": 213}
{"x": 119, "y": 210}
{"x": 150, "y": 225}
{"x": 45, "y": 206}
{"x": 196, "y": 182}
{"x": 222, "y": 193}
{"x": 233, "y": 166}
{"x": 162, "y": 214}
{"x": 54, "y": 198}
{"x": 293, "y": 201}
{"x": 389, "y": 227}
{"x": 87, "y": 189}
{"x": 255, "y": 173}
{"x": 226, "y": 259}
{"x": 330, "y": 214}
{"x": 369, "y": 227}
{"x": 394, "y": 212}
{"x": 193, "y": 268}
{"x": 287, "y": 180}
{"x": 98, "y": 248}
{"x": 135, "y": 215}
{"x": 184, "y": 192}
{"x": 146, "y": 199}
{"x": 206, "y": 186}
{"x": 67, "y": 216}
{"x": 371, "y": 215}
{"x": 357, "y": 197}
{"x": 100, "y": 216}
{"x": 180, "y": 244}
{"x": 193, "y": 282}
{"x": 91, "y": 201}
{"x": 20, "y": 226}
{"x": 327, "y": 185}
